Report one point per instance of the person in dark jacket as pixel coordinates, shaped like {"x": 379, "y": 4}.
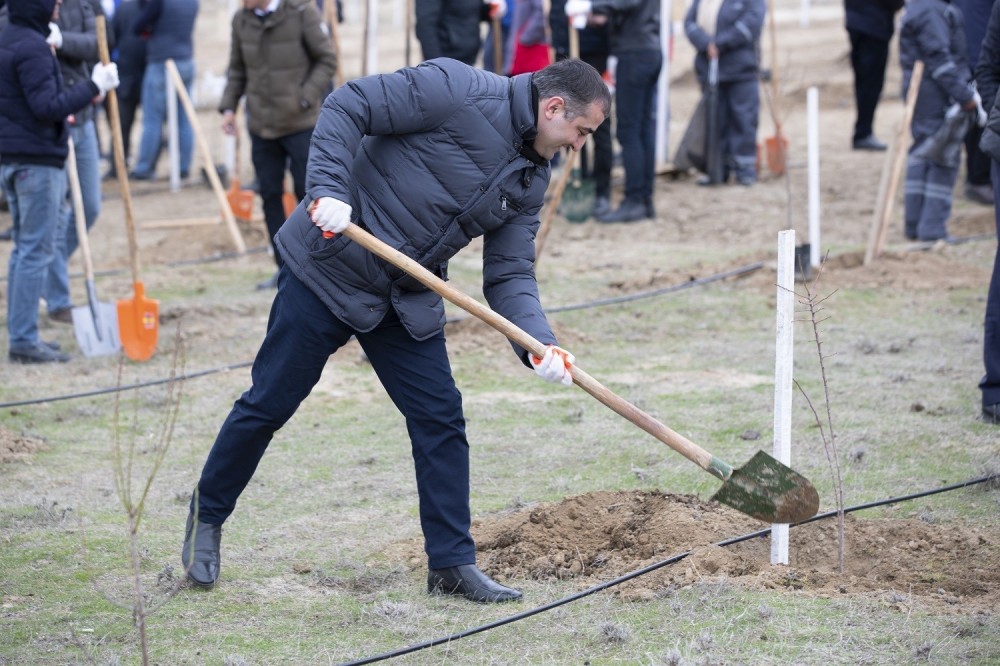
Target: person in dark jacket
{"x": 426, "y": 159}
{"x": 977, "y": 163}
{"x": 595, "y": 47}
{"x": 130, "y": 56}
{"x": 168, "y": 27}
{"x": 635, "y": 41}
{"x": 450, "y": 28}
{"x": 932, "y": 31}
{"x": 729, "y": 31}
{"x": 988, "y": 81}
{"x": 282, "y": 61}
{"x": 34, "y": 105}
{"x": 870, "y": 25}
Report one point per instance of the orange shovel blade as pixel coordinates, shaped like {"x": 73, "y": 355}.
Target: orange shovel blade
{"x": 138, "y": 324}
{"x": 777, "y": 149}
{"x": 241, "y": 201}
{"x": 289, "y": 202}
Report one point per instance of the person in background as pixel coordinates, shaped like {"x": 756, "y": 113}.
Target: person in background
{"x": 635, "y": 41}
{"x": 282, "y": 61}
{"x": 988, "y": 82}
{"x": 34, "y": 136}
{"x": 933, "y": 31}
{"x": 870, "y": 25}
{"x": 453, "y": 153}
{"x": 528, "y": 50}
{"x": 168, "y": 27}
{"x": 729, "y": 30}
{"x": 130, "y": 55}
{"x": 450, "y": 28}
{"x": 977, "y": 164}
{"x": 595, "y": 47}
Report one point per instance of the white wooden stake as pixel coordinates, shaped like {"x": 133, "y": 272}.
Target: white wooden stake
{"x": 370, "y": 65}
{"x": 812, "y": 106}
{"x": 783, "y": 350}
{"x": 173, "y": 140}
{"x": 804, "y": 17}
{"x": 663, "y": 83}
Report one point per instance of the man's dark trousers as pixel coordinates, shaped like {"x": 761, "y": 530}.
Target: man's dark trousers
{"x": 990, "y": 384}
{"x": 635, "y": 97}
{"x": 301, "y": 335}
{"x": 270, "y": 158}
{"x": 869, "y": 56}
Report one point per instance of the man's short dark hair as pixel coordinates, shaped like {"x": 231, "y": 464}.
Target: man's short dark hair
{"x": 579, "y": 84}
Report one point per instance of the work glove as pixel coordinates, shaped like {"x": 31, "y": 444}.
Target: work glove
{"x": 577, "y": 11}
{"x": 331, "y": 215}
{"x": 981, "y": 115}
{"x": 554, "y": 366}
{"x": 105, "y": 77}
{"x": 54, "y": 39}
{"x": 497, "y": 8}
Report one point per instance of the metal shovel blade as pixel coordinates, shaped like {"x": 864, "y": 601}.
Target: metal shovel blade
{"x": 770, "y": 491}
{"x": 96, "y": 328}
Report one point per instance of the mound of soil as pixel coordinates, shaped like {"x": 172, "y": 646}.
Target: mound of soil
{"x": 600, "y": 536}
{"x": 17, "y": 447}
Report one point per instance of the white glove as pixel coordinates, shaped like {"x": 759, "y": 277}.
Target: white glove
{"x": 331, "y": 215}
{"x": 577, "y": 11}
{"x": 555, "y": 366}
{"x": 105, "y": 76}
{"x": 981, "y": 115}
{"x": 498, "y": 8}
{"x": 55, "y": 36}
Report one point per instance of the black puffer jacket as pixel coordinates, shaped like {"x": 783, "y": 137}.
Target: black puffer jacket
{"x": 34, "y": 103}
{"x": 429, "y": 158}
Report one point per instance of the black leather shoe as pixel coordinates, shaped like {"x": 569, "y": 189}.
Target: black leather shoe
{"x": 628, "y": 211}
{"x": 470, "y": 582}
{"x": 869, "y": 143}
{"x": 991, "y": 414}
{"x": 269, "y": 283}
{"x": 7, "y": 234}
{"x": 41, "y": 353}
{"x": 203, "y": 562}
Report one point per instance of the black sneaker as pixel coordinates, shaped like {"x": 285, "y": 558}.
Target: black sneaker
{"x": 869, "y": 143}
{"x": 41, "y": 353}
{"x": 62, "y": 315}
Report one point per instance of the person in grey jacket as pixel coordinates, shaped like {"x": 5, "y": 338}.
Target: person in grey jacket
{"x": 933, "y": 31}
{"x": 426, "y": 159}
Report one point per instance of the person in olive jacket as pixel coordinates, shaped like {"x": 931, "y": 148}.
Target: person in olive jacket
{"x": 282, "y": 60}
{"x": 426, "y": 159}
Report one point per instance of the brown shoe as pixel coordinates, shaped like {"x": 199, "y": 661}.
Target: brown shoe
{"x": 63, "y": 316}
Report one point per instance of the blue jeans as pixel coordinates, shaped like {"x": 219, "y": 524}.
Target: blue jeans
{"x": 154, "y": 113}
{"x": 36, "y": 194}
{"x": 301, "y": 335}
{"x": 635, "y": 94}
{"x": 88, "y": 166}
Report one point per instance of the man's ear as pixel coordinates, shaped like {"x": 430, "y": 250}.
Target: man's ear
{"x": 552, "y": 106}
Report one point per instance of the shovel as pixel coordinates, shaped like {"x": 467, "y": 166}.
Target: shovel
{"x": 763, "y": 488}
{"x": 577, "y": 202}
{"x": 240, "y": 200}
{"x": 776, "y": 146}
{"x": 95, "y": 324}
{"x": 138, "y": 317}
{"x": 713, "y": 138}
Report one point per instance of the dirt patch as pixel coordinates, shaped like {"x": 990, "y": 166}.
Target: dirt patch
{"x": 17, "y": 447}
{"x": 599, "y": 536}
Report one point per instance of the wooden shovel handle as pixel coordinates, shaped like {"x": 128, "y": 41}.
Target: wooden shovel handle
{"x": 118, "y": 148}
{"x": 674, "y": 440}
{"x": 79, "y": 216}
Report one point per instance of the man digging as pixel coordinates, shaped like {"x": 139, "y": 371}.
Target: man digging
{"x": 425, "y": 159}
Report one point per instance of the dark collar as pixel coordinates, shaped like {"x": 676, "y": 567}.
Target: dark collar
{"x": 529, "y": 132}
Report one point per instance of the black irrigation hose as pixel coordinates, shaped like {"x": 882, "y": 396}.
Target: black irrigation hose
{"x": 578, "y": 306}
{"x": 127, "y": 387}
{"x": 645, "y": 570}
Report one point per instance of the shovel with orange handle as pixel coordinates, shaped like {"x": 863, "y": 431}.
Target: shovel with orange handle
{"x": 138, "y": 317}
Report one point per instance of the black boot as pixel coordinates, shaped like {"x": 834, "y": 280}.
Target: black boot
{"x": 203, "y": 561}
{"x": 471, "y": 583}
{"x": 628, "y": 211}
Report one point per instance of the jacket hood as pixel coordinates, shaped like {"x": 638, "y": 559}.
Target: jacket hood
{"x": 34, "y": 14}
